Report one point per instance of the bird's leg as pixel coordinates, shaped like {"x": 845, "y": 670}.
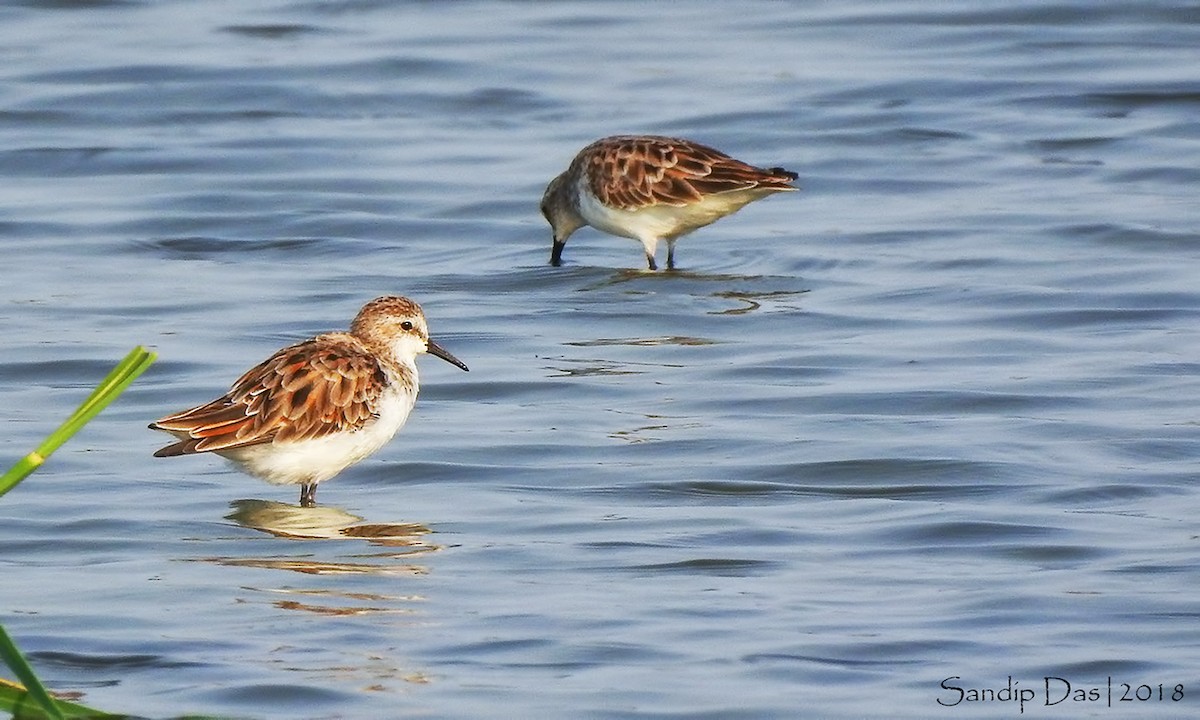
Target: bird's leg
{"x": 308, "y": 494}
{"x": 670, "y": 256}
{"x": 650, "y": 246}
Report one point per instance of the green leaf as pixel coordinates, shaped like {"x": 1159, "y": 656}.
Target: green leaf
{"x": 33, "y": 701}
{"x": 134, "y": 364}
{"x": 16, "y": 700}
{"x": 35, "y": 690}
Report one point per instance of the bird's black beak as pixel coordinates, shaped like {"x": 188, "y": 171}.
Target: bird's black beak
{"x": 439, "y": 351}
{"x": 556, "y": 253}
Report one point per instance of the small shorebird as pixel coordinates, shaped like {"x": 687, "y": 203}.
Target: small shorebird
{"x": 652, "y": 188}
{"x": 317, "y": 407}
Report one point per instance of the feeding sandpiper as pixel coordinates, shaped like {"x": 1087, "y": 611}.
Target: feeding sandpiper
{"x": 652, "y": 188}
{"x": 317, "y": 407}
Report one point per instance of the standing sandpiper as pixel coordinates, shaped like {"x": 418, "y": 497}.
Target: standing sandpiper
{"x": 652, "y": 188}
{"x": 317, "y": 407}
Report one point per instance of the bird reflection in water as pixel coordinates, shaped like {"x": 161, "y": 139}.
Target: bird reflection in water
{"x": 323, "y": 523}
{"x": 404, "y": 541}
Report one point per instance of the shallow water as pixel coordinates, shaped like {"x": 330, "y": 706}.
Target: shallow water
{"x": 932, "y": 417}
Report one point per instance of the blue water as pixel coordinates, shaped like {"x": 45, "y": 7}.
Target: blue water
{"x": 933, "y": 417}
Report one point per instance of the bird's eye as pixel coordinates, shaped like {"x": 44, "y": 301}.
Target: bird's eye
{"x": 406, "y": 325}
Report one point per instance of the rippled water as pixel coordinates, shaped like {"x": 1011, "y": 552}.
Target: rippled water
{"x": 931, "y": 418}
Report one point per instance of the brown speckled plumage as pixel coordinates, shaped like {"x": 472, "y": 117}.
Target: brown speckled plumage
{"x": 634, "y": 171}
{"x": 316, "y": 407}
{"x": 652, "y": 188}
{"x": 320, "y": 386}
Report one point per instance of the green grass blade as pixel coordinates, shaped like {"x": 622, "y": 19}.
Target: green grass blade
{"x": 14, "y": 659}
{"x": 33, "y": 702}
{"x": 15, "y": 700}
{"x": 20, "y": 471}
{"x": 134, "y": 364}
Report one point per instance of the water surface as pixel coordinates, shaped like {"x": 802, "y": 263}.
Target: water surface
{"x": 932, "y": 417}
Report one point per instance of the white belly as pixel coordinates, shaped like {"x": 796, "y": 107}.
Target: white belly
{"x": 663, "y": 222}
{"x": 319, "y": 459}
{"x": 654, "y": 222}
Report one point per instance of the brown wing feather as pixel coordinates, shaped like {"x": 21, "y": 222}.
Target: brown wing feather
{"x": 308, "y": 390}
{"x": 631, "y": 172}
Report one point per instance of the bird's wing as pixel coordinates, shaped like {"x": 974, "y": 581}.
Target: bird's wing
{"x": 309, "y": 390}
{"x": 633, "y": 172}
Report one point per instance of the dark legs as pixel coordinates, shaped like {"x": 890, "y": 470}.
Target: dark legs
{"x": 557, "y": 249}
{"x": 670, "y": 257}
{"x": 308, "y": 495}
